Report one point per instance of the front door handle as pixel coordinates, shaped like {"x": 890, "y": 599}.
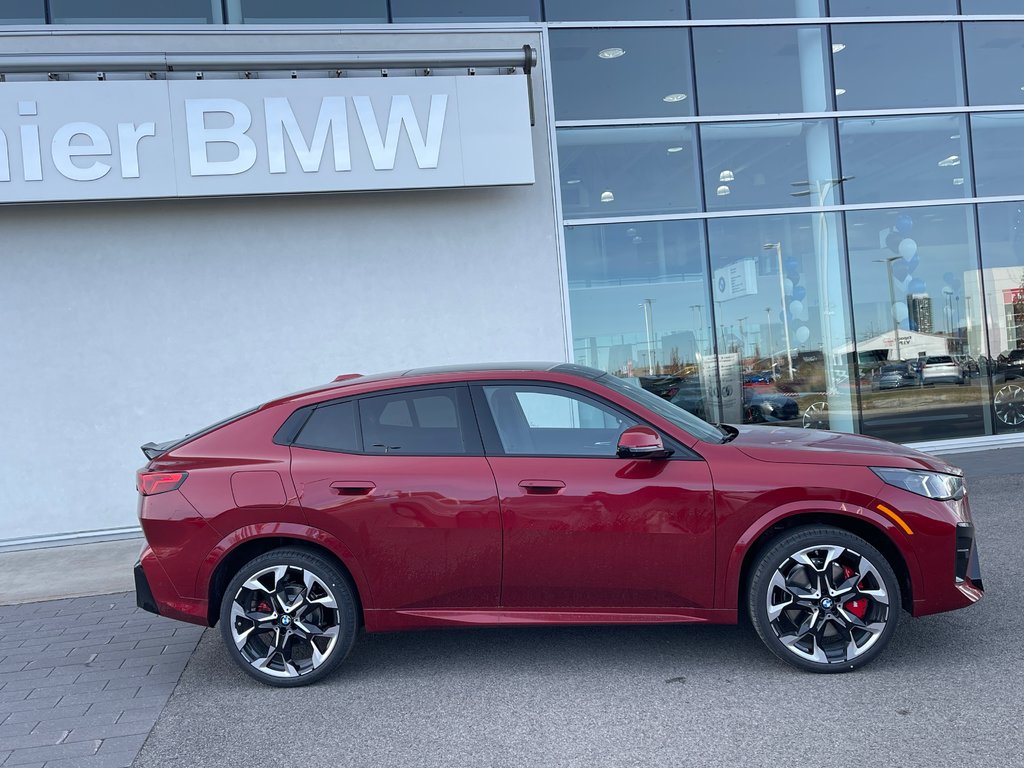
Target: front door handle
{"x": 352, "y": 487}
{"x": 541, "y": 487}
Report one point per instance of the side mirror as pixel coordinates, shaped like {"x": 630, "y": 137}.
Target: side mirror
{"x": 641, "y": 443}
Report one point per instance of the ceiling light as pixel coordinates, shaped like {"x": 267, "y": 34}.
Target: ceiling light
{"x": 950, "y": 161}
{"x": 611, "y": 53}
{"x": 574, "y": 181}
{"x": 674, "y": 97}
{"x": 958, "y": 182}
{"x": 673, "y": 150}
{"x": 726, "y": 176}
{"x": 723, "y": 190}
{"x": 955, "y": 136}
{"x": 607, "y": 196}
{"x": 637, "y": 239}
{"x": 840, "y": 91}
{"x": 837, "y": 47}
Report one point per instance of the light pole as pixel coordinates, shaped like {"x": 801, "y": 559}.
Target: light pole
{"x": 777, "y": 247}
{"x": 698, "y": 324}
{"x": 771, "y": 341}
{"x": 892, "y": 304}
{"x": 649, "y": 325}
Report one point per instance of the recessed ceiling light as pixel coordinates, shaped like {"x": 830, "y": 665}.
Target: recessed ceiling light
{"x": 837, "y": 47}
{"x": 674, "y": 97}
{"x": 949, "y": 161}
{"x": 723, "y": 190}
{"x": 611, "y": 53}
{"x": 574, "y": 181}
{"x": 955, "y": 136}
{"x": 726, "y": 175}
{"x": 607, "y": 196}
{"x": 675, "y": 149}
{"x": 840, "y": 91}
{"x": 958, "y": 182}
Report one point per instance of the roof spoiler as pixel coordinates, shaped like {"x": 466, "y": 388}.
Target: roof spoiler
{"x": 347, "y": 376}
{"x": 152, "y": 450}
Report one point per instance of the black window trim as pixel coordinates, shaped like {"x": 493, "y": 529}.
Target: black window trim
{"x": 492, "y": 440}
{"x": 290, "y": 430}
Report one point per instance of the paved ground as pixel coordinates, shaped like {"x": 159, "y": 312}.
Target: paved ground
{"x": 946, "y": 692}
{"x": 83, "y": 681}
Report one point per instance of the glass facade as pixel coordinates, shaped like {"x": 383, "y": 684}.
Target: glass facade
{"x": 806, "y": 212}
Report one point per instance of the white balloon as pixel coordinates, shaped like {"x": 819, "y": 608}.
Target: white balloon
{"x": 803, "y": 333}
{"x": 907, "y": 248}
{"x": 788, "y": 287}
{"x": 796, "y": 309}
{"x": 899, "y": 311}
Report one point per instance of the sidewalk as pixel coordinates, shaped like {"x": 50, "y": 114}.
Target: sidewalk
{"x": 71, "y": 571}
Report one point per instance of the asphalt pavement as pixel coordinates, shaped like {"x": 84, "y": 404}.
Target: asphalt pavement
{"x": 946, "y": 692}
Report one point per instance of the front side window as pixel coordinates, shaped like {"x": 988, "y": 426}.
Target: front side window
{"x": 548, "y": 421}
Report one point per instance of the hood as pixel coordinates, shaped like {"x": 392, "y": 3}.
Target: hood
{"x": 792, "y": 445}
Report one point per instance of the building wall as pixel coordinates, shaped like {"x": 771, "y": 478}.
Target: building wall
{"x": 136, "y": 321}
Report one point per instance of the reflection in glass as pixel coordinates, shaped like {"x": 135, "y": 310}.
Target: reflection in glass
{"x": 995, "y": 61}
{"x": 620, "y": 73}
{"x": 926, "y": 319}
{"x": 308, "y": 11}
{"x": 1002, "y": 277}
{"x": 992, "y": 6}
{"x": 614, "y": 10}
{"x": 752, "y": 70}
{"x": 133, "y": 12}
{"x": 998, "y": 140}
{"x": 638, "y": 295}
{"x": 891, "y": 7}
{"x": 779, "y": 286}
{"x": 464, "y": 10}
{"x": 768, "y": 164}
{"x": 904, "y": 158}
{"x": 627, "y": 171}
{"x": 22, "y": 12}
{"x": 755, "y": 9}
{"x": 881, "y": 66}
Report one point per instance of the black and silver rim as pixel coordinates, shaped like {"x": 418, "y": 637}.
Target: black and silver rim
{"x": 1009, "y": 405}
{"x": 285, "y": 621}
{"x": 827, "y": 604}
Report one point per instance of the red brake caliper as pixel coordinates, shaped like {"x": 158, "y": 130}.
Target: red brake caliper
{"x": 857, "y": 607}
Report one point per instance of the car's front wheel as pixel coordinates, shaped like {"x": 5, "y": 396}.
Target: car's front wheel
{"x": 823, "y": 599}
{"x": 288, "y": 617}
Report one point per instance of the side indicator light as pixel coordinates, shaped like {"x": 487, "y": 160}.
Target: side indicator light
{"x": 896, "y": 518}
{"x": 152, "y": 483}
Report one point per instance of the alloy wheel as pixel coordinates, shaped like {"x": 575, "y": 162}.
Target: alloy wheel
{"x": 285, "y": 621}
{"x": 1008, "y": 404}
{"x": 827, "y": 604}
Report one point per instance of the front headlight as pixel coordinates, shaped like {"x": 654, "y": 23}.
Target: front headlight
{"x": 933, "y": 485}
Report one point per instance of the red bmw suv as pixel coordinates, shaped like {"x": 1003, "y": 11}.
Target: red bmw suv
{"x": 539, "y": 494}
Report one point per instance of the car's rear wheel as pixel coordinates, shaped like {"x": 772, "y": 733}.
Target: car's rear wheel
{"x": 823, "y": 599}
{"x": 288, "y": 617}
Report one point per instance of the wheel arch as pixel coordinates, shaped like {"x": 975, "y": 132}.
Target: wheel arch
{"x": 238, "y": 549}
{"x": 865, "y": 528}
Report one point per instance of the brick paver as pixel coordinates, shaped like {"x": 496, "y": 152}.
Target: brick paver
{"x": 83, "y": 680}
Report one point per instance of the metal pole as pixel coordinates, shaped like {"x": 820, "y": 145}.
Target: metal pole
{"x": 785, "y": 317}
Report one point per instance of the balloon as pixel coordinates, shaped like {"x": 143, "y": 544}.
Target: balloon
{"x": 908, "y": 248}
{"x": 917, "y": 285}
{"x": 787, "y": 287}
{"x": 796, "y": 308}
{"x": 892, "y": 241}
{"x": 803, "y": 333}
{"x": 913, "y": 263}
{"x": 957, "y": 284}
{"x": 790, "y": 264}
{"x": 899, "y": 311}
{"x": 904, "y": 224}
{"x": 799, "y": 293}
{"x": 794, "y": 275}
{"x": 948, "y": 277}
{"x": 900, "y": 270}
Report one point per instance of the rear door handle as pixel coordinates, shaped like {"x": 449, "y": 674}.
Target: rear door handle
{"x": 542, "y": 486}
{"x": 352, "y": 487}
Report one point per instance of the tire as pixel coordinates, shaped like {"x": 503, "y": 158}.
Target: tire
{"x": 294, "y": 639}
{"x": 807, "y": 607}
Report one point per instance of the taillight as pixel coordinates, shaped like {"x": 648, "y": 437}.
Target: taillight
{"x": 152, "y": 483}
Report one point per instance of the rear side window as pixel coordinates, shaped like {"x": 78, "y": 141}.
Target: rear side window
{"x": 422, "y": 423}
{"x": 333, "y": 428}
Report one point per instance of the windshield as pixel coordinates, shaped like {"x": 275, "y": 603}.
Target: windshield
{"x": 673, "y": 413}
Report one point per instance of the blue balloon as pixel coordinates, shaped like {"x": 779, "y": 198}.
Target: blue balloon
{"x": 900, "y": 270}
{"x": 790, "y": 264}
{"x": 904, "y": 224}
{"x": 948, "y": 278}
{"x": 793, "y": 275}
{"x": 917, "y": 285}
{"x": 799, "y": 293}
{"x": 913, "y": 263}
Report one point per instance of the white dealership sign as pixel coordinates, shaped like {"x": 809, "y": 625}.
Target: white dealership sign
{"x": 190, "y": 138}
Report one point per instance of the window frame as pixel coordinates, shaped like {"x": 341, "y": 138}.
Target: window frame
{"x": 492, "y": 439}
